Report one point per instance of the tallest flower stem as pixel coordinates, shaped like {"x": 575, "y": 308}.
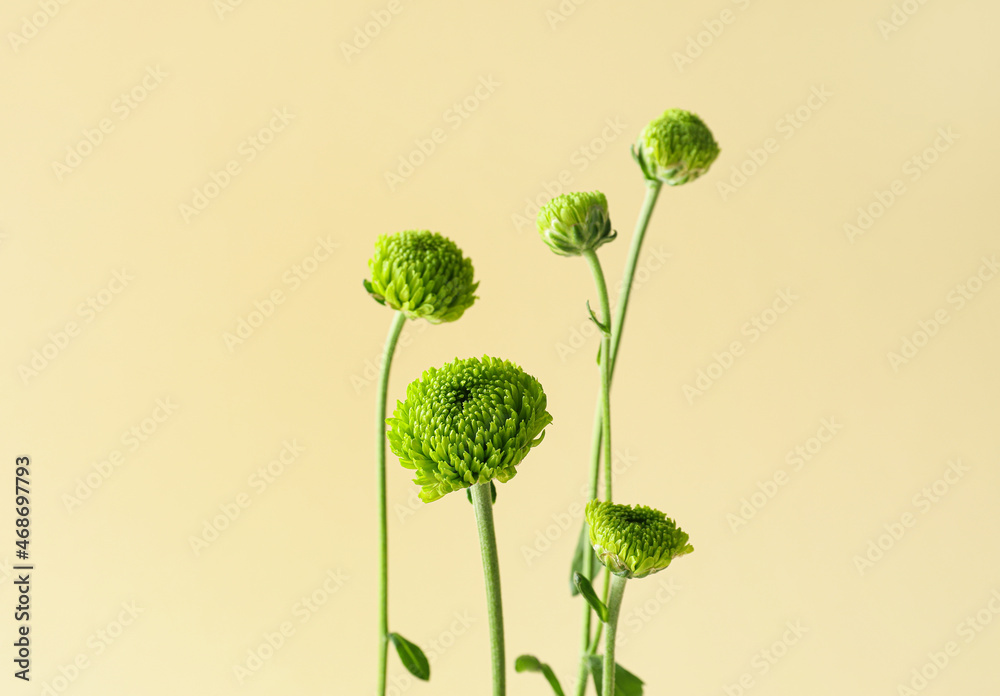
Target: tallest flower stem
{"x": 604, "y": 411}
{"x": 606, "y": 358}
{"x": 383, "y": 389}
{"x": 601, "y": 419}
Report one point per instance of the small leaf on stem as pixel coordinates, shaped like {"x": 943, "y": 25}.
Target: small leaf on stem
{"x": 587, "y": 590}
{"x": 583, "y": 547}
{"x": 626, "y": 683}
{"x": 530, "y": 663}
{"x": 413, "y": 657}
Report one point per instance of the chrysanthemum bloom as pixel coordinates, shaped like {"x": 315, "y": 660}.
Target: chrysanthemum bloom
{"x": 421, "y": 274}
{"x": 573, "y": 223}
{"x": 470, "y": 421}
{"x": 634, "y": 542}
{"x": 675, "y": 148}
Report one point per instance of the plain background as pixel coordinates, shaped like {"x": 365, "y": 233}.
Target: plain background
{"x": 563, "y": 90}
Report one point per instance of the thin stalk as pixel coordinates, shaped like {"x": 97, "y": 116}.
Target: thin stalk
{"x": 383, "y": 389}
{"x": 648, "y": 203}
{"x": 602, "y": 291}
{"x": 604, "y": 415}
{"x": 614, "y": 608}
{"x": 652, "y": 193}
{"x": 638, "y": 236}
{"x": 482, "y": 501}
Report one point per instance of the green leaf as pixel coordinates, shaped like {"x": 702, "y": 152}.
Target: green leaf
{"x": 583, "y": 547}
{"x": 626, "y": 683}
{"x": 413, "y": 657}
{"x": 530, "y": 663}
{"x": 493, "y": 491}
{"x": 601, "y": 325}
{"x": 587, "y": 590}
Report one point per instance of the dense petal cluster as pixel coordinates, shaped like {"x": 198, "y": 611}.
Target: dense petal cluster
{"x": 573, "y": 223}
{"x": 634, "y": 542}
{"x": 469, "y": 422}
{"x": 675, "y": 148}
{"x": 423, "y": 275}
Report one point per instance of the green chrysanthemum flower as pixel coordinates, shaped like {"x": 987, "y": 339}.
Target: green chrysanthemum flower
{"x": 634, "y": 542}
{"x": 675, "y": 148}
{"x": 421, "y": 274}
{"x": 469, "y": 422}
{"x": 573, "y": 223}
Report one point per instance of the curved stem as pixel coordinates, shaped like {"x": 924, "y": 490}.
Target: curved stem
{"x": 652, "y": 194}
{"x": 383, "y": 389}
{"x": 602, "y": 290}
{"x": 614, "y": 608}
{"x": 602, "y": 419}
{"x": 482, "y": 501}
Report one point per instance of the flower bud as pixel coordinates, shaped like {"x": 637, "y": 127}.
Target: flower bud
{"x": 675, "y": 148}
{"x": 634, "y": 542}
{"x": 573, "y": 223}
{"x": 469, "y": 422}
{"x": 421, "y": 274}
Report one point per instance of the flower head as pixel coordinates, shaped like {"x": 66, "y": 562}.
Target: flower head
{"x": 634, "y": 542}
{"x": 467, "y": 422}
{"x": 573, "y": 223}
{"x": 421, "y": 274}
{"x": 675, "y": 148}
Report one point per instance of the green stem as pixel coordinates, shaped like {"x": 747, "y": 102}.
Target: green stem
{"x": 652, "y": 194}
{"x": 602, "y": 290}
{"x": 482, "y": 501}
{"x": 604, "y": 420}
{"x": 614, "y": 608}
{"x": 383, "y": 389}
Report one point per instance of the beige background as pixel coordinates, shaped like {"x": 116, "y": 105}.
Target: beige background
{"x": 300, "y": 386}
